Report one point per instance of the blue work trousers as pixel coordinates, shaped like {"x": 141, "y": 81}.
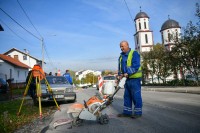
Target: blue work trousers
{"x": 132, "y": 95}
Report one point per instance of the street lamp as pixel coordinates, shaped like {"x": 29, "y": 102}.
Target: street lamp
{"x": 1, "y": 28}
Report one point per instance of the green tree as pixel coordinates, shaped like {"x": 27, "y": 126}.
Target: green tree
{"x": 145, "y": 66}
{"x": 187, "y": 50}
{"x": 91, "y": 78}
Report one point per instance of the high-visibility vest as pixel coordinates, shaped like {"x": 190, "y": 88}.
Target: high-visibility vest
{"x": 138, "y": 74}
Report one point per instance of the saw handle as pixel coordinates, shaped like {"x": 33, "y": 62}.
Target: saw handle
{"x": 85, "y": 104}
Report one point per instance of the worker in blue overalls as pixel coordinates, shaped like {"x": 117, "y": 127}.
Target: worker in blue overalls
{"x": 129, "y": 67}
{"x": 68, "y": 77}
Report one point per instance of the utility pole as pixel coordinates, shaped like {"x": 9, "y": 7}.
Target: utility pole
{"x": 42, "y": 41}
{"x": 93, "y": 79}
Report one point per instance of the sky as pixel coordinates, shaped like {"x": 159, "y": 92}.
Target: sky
{"x": 83, "y": 34}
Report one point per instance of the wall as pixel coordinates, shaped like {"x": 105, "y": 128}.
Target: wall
{"x": 18, "y": 74}
{"x": 30, "y": 61}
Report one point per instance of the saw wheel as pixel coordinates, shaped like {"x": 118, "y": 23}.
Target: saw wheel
{"x": 103, "y": 119}
{"x": 76, "y": 121}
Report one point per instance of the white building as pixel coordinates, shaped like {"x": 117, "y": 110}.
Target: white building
{"x": 82, "y": 74}
{"x": 170, "y": 32}
{"x": 13, "y": 69}
{"x": 23, "y": 57}
{"x": 143, "y": 36}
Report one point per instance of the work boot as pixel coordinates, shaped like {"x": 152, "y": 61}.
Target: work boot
{"x": 123, "y": 115}
{"x": 136, "y": 116}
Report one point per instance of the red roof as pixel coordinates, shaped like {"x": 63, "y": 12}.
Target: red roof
{"x": 13, "y": 61}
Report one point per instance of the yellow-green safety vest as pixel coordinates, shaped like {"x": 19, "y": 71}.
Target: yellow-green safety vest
{"x": 138, "y": 74}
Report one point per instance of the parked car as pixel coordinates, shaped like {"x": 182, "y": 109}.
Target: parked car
{"x": 61, "y": 88}
{"x": 84, "y": 86}
{"x": 192, "y": 78}
{"x": 110, "y": 78}
{"x": 3, "y": 86}
{"x": 94, "y": 85}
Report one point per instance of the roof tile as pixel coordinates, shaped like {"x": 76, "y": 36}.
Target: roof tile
{"x": 13, "y": 61}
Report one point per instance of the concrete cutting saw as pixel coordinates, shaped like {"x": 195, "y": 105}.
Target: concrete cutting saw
{"x": 91, "y": 109}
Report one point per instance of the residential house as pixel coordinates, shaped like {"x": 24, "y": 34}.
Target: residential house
{"x": 82, "y": 74}
{"x": 13, "y": 69}
{"x": 23, "y": 57}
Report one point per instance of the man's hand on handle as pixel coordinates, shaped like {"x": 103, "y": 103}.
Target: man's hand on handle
{"x": 121, "y": 76}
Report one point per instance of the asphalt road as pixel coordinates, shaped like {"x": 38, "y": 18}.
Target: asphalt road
{"x": 163, "y": 112}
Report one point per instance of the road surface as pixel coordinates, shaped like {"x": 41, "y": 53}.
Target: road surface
{"x": 163, "y": 112}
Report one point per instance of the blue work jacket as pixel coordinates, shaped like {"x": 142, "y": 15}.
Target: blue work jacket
{"x": 134, "y": 65}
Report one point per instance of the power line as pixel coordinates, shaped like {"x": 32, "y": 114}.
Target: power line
{"x": 44, "y": 46}
{"x": 51, "y": 62}
{"x": 20, "y": 25}
{"x": 16, "y": 33}
{"x": 129, "y": 10}
{"x": 29, "y": 19}
{"x": 41, "y": 39}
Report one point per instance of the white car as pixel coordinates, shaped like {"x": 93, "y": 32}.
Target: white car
{"x": 110, "y": 78}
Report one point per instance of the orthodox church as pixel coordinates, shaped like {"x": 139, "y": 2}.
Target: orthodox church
{"x": 143, "y": 37}
{"x": 170, "y": 32}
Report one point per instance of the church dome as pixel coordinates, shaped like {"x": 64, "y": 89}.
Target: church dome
{"x": 170, "y": 24}
{"x": 141, "y": 15}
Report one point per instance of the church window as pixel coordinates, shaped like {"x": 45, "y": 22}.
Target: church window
{"x": 139, "y": 26}
{"x": 136, "y": 27}
{"x": 169, "y": 37}
{"x": 176, "y": 36}
{"x": 162, "y": 38}
{"x": 145, "y": 25}
{"x": 146, "y": 38}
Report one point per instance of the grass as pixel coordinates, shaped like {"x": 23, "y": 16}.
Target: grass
{"x": 9, "y": 121}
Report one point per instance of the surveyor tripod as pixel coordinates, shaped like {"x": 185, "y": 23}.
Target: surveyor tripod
{"x": 39, "y": 75}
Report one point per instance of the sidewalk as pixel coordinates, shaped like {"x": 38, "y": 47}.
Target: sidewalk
{"x": 178, "y": 89}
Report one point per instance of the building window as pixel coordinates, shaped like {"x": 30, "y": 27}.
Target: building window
{"x": 162, "y": 38}
{"x": 146, "y": 38}
{"x": 18, "y": 74}
{"x": 139, "y": 26}
{"x": 136, "y": 27}
{"x": 145, "y": 25}
{"x": 137, "y": 39}
{"x": 25, "y": 57}
{"x": 169, "y": 37}
{"x": 16, "y": 57}
{"x": 10, "y": 73}
{"x": 176, "y": 36}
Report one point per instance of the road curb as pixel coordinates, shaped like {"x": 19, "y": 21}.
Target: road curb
{"x": 192, "y": 90}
